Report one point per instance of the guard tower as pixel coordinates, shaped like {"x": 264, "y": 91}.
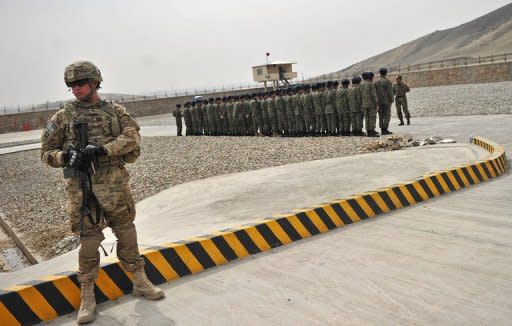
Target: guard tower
{"x": 275, "y": 72}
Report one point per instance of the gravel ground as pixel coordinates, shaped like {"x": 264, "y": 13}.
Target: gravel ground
{"x": 457, "y": 100}
{"x": 32, "y": 193}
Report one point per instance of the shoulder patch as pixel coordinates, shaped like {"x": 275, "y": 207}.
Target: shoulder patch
{"x": 51, "y": 127}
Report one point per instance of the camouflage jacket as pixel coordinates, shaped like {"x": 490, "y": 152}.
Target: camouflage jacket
{"x": 109, "y": 125}
{"x": 354, "y": 99}
{"x": 330, "y": 100}
{"x": 400, "y": 89}
{"x": 342, "y": 100}
{"x": 384, "y": 89}
{"x": 368, "y": 95}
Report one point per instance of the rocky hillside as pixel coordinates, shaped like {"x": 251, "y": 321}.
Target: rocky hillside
{"x": 489, "y": 34}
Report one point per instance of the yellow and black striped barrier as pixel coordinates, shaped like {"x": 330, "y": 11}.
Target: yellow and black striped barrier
{"x": 55, "y": 295}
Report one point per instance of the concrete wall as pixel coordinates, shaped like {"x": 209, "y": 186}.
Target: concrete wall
{"x": 484, "y": 73}
{"x": 474, "y": 74}
{"x": 35, "y": 120}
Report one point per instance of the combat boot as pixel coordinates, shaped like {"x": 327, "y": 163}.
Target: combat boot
{"x": 401, "y": 122}
{"x": 372, "y": 133}
{"x": 87, "y": 312}
{"x": 408, "y": 121}
{"x": 142, "y": 287}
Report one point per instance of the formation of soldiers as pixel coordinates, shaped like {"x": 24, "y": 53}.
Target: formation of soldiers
{"x": 323, "y": 109}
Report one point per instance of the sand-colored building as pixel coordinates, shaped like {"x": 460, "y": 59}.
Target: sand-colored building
{"x": 275, "y": 72}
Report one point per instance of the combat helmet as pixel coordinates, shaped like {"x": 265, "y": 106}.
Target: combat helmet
{"x": 81, "y": 70}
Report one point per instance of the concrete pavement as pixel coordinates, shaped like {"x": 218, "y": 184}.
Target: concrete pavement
{"x": 444, "y": 261}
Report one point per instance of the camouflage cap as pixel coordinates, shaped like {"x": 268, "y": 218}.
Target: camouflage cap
{"x": 81, "y": 70}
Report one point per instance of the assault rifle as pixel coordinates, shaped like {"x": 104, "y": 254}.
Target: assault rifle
{"x": 83, "y": 172}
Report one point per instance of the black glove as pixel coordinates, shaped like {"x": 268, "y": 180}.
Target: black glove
{"x": 93, "y": 150}
{"x": 72, "y": 158}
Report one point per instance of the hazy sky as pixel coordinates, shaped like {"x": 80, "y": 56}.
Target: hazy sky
{"x": 148, "y": 46}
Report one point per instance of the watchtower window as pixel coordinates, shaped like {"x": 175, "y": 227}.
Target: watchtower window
{"x": 259, "y": 71}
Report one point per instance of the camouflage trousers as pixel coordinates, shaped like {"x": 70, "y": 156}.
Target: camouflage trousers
{"x": 330, "y": 119}
{"x": 309, "y": 123}
{"x": 357, "y": 119}
{"x": 223, "y": 126}
{"x": 370, "y": 118}
{"x": 112, "y": 189}
{"x": 179, "y": 126}
{"x": 344, "y": 121}
{"x": 384, "y": 116}
{"x": 282, "y": 122}
{"x": 274, "y": 126}
{"x": 401, "y": 104}
{"x": 319, "y": 123}
{"x": 290, "y": 117}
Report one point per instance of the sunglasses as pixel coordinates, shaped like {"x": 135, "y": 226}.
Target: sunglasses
{"x": 78, "y": 83}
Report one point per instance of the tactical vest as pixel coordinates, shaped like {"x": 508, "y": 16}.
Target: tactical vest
{"x": 103, "y": 127}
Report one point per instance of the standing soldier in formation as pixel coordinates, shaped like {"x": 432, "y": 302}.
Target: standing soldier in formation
{"x": 400, "y": 89}
{"x": 343, "y": 109}
{"x": 281, "y": 114}
{"x": 195, "y": 119}
{"x": 255, "y": 108}
{"x": 113, "y": 141}
{"x": 178, "y": 114}
{"x": 318, "y": 109}
{"x": 187, "y": 116}
{"x": 384, "y": 90}
{"x": 298, "y": 108}
{"x": 210, "y": 114}
{"x": 229, "y": 112}
{"x": 369, "y": 103}
{"x": 290, "y": 117}
{"x": 201, "y": 117}
{"x": 356, "y": 110}
{"x": 329, "y": 109}
{"x": 307, "y": 111}
{"x": 223, "y": 119}
{"x": 265, "y": 119}
{"x": 272, "y": 114}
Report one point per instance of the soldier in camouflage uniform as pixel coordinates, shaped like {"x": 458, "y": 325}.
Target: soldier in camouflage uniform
{"x": 187, "y": 116}
{"x": 298, "y": 109}
{"x": 195, "y": 119}
{"x": 318, "y": 105}
{"x": 255, "y": 107}
{"x": 369, "y": 103}
{"x": 399, "y": 90}
{"x": 282, "y": 128}
{"x": 201, "y": 116}
{"x": 113, "y": 141}
{"x": 229, "y": 114}
{"x": 210, "y": 114}
{"x": 384, "y": 90}
{"x": 178, "y": 114}
{"x": 272, "y": 114}
{"x": 290, "y": 118}
{"x": 356, "y": 111}
{"x": 307, "y": 111}
{"x": 342, "y": 108}
{"x": 329, "y": 103}
{"x": 265, "y": 119}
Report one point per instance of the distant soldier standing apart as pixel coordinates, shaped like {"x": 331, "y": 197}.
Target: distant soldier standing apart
{"x": 400, "y": 89}
{"x": 113, "y": 140}
{"x": 178, "y": 114}
{"x": 384, "y": 90}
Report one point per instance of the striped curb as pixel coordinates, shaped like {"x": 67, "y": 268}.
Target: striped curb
{"x": 55, "y": 295}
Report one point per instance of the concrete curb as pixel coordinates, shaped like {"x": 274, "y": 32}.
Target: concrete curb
{"x": 55, "y": 295}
